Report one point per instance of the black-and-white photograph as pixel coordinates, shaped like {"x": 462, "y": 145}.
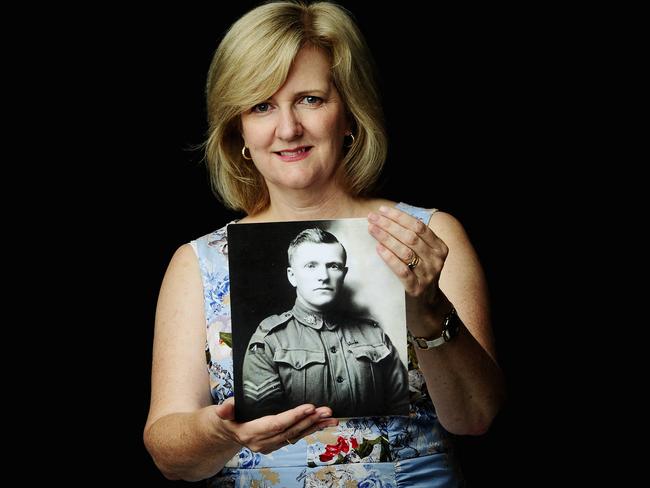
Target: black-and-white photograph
{"x": 317, "y": 317}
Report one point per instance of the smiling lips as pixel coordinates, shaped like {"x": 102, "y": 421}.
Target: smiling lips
{"x": 294, "y": 154}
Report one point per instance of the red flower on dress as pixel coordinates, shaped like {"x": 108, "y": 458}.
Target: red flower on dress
{"x": 342, "y": 445}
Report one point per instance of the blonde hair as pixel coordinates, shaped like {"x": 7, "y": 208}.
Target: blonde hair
{"x": 253, "y": 61}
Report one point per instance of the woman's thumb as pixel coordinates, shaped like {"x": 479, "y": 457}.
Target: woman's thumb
{"x": 227, "y": 409}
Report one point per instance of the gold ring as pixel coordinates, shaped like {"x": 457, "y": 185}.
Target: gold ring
{"x": 289, "y": 442}
{"x": 414, "y": 261}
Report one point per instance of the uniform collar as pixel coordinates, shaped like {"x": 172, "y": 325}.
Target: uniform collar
{"x": 313, "y": 319}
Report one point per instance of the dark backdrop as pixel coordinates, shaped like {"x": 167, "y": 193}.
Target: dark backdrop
{"x": 463, "y": 95}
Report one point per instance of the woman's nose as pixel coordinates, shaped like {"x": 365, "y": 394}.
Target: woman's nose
{"x": 289, "y": 126}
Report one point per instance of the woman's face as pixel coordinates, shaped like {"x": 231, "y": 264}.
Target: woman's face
{"x": 296, "y": 137}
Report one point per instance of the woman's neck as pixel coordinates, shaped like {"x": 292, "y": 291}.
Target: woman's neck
{"x": 331, "y": 204}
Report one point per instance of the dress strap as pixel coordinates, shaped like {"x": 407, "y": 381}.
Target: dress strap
{"x": 423, "y": 214}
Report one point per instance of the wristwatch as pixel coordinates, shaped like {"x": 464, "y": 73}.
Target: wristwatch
{"x": 450, "y": 329}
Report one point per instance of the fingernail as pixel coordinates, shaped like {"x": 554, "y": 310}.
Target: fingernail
{"x": 383, "y": 209}
{"x": 325, "y": 415}
{"x": 308, "y": 411}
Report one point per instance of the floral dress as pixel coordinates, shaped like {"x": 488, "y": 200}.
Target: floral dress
{"x": 374, "y": 452}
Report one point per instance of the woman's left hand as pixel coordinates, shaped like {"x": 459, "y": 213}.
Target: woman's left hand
{"x": 411, "y": 249}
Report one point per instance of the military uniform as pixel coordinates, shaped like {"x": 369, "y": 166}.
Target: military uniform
{"x": 348, "y": 364}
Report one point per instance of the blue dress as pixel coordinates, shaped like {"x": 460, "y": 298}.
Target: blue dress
{"x": 374, "y": 452}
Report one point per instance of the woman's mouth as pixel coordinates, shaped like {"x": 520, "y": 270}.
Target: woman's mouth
{"x": 294, "y": 154}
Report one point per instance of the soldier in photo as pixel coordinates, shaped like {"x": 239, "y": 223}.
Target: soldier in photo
{"x": 316, "y": 352}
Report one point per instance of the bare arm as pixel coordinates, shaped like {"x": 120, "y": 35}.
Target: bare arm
{"x": 187, "y": 436}
{"x": 462, "y": 376}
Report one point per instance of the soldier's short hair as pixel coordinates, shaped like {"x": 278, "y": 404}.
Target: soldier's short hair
{"x": 316, "y": 236}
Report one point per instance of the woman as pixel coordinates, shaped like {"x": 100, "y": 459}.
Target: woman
{"x": 296, "y": 134}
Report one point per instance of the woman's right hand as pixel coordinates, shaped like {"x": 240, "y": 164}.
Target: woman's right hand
{"x": 269, "y": 433}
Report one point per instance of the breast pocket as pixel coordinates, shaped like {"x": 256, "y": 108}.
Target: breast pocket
{"x": 302, "y": 373}
{"x": 369, "y": 369}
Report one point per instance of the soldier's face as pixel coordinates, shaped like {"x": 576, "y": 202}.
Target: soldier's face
{"x": 317, "y": 271}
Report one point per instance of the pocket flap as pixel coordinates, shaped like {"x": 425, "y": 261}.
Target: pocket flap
{"x": 372, "y": 353}
{"x": 299, "y": 358}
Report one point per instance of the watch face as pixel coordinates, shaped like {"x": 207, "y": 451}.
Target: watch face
{"x": 452, "y": 326}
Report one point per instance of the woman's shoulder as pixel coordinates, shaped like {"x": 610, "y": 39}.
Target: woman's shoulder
{"x": 215, "y": 241}
{"x": 446, "y": 225}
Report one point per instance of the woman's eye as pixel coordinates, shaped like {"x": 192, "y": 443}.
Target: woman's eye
{"x": 261, "y": 107}
{"x": 311, "y": 100}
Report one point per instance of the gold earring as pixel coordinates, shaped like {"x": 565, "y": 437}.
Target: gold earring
{"x": 352, "y": 136}
{"x": 243, "y": 153}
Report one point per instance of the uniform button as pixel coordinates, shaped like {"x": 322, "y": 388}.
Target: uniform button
{"x": 333, "y": 349}
{"x": 339, "y": 379}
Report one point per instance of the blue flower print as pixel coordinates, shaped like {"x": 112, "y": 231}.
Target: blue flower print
{"x": 374, "y": 480}
{"x": 248, "y": 459}
{"x": 221, "y": 380}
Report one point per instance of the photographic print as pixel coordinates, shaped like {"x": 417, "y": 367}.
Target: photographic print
{"x": 317, "y": 317}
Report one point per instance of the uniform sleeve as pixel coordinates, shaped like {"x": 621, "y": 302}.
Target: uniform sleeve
{"x": 396, "y": 381}
{"x": 263, "y": 392}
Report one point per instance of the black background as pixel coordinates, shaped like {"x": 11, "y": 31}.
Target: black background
{"x": 469, "y": 96}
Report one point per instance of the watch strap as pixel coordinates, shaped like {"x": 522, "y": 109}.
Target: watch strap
{"x": 446, "y": 335}
{"x": 422, "y": 343}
